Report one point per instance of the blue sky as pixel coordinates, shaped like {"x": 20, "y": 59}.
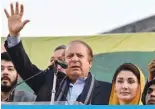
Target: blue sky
{"x": 77, "y": 17}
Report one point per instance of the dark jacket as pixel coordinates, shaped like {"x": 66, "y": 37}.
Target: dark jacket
{"x": 43, "y": 83}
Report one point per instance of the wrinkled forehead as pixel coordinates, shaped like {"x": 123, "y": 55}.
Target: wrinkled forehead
{"x": 6, "y": 63}
{"x": 76, "y": 47}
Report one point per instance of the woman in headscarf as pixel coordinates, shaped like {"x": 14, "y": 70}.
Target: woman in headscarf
{"x": 127, "y": 85}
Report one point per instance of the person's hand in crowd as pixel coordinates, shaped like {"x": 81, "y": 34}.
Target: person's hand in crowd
{"x": 15, "y": 23}
{"x": 151, "y": 69}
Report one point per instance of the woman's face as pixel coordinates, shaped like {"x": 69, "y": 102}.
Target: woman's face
{"x": 126, "y": 86}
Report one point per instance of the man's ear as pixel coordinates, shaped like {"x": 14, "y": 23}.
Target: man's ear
{"x": 18, "y": 76}
{"x": 90, "y": 64}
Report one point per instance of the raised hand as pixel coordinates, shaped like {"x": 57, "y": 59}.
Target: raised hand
{"x": 151, "y": 69}
{"x": 15, "y": 23}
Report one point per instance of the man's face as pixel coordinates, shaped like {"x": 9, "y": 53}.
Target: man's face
{"x": 150, "y": 97}
{"x": 59, "y": 55}
{"x": 8, "y": 75}
{"x": 76, "y": 56}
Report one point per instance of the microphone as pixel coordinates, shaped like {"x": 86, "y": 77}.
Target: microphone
{"x": 63, "y": 64}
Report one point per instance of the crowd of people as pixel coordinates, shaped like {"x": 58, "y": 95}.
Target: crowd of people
{"x": 75, "y": 84}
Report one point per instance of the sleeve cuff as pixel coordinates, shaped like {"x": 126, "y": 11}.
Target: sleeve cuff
{"x": 12, "y": 41}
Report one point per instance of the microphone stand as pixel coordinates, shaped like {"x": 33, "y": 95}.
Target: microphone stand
{"x": 54, "y": 83}
{"x": 54, "y": 67}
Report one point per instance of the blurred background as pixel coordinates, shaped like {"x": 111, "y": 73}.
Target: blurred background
{"x": 83, "y": 17}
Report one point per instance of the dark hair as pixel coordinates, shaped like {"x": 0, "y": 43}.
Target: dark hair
{"x": 147, "y": 85}
{"x": 90, "y": 52}
{"x": 60, "y": 47}
{"x": 5, "y": 56}
{"x": 129, "y": 67}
